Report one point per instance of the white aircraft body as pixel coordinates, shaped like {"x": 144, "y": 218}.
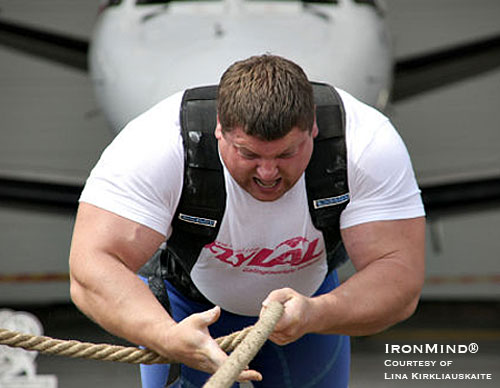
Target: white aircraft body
{"x": 142, "y": 51}
{"x": 168, "y": 47}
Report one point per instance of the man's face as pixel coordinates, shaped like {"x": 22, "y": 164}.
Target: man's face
{"x": 266, "y": 169}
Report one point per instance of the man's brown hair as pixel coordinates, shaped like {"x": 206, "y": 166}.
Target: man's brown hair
{"x": 266, "y": 96}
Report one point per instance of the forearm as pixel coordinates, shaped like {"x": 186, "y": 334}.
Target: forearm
{"x": 381, "y": 295}
{"x": 113, "y": 296}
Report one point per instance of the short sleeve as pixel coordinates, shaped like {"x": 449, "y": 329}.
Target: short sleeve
{"x": 139, "y": 175}
{"x": 381, "y": 179}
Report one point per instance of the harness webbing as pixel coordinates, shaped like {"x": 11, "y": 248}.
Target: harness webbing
{"x": 201, "y": 208}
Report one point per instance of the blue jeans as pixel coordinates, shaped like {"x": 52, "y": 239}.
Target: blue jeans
{"x": 313, "y": 361}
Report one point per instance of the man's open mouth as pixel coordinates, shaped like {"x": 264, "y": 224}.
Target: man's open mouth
{"x": 267, "y": 185}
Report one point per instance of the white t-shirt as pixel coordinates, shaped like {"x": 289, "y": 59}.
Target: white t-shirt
{"x": 261, "y": 246}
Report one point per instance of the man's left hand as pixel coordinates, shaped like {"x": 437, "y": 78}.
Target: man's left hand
{"x": 295, "y": 320}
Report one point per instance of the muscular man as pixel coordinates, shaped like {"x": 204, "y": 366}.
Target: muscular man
{"x": 268, "y": 246}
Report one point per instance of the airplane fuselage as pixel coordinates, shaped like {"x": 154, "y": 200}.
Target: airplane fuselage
{"x": 165, "y": 48}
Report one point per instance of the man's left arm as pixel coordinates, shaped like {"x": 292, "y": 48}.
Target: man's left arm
{"x": 389, "y": 257}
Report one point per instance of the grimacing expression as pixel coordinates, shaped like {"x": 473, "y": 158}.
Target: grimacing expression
{"x": 266, "y": 169}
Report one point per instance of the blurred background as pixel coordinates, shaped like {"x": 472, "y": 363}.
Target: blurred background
{"x": 52, "y": 131}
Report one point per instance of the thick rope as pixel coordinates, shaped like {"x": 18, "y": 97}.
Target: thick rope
{"x": 101, "y": 352}
{"x": 246, "y": 351}
{"x": 105, "y": 352}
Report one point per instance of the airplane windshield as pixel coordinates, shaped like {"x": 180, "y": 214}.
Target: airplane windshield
{"x": 306, "y": 1}
{"x": 152, "y": 1}
{"x": 165, "y": 1}
{"x": 112, "y": 2}
{"x": 321, "y": 1}
{"x": 368, "y": 2}
{"x": 168, "y": 1}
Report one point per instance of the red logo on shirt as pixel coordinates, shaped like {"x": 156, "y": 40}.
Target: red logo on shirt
{"x": 288, "y": 256}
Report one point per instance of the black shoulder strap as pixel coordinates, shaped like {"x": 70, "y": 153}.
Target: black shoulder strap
{"x": 203, "y": 200}
{"x": 326, "y": 173}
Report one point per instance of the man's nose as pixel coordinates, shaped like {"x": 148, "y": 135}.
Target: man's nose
{"x": 267, "y": 170}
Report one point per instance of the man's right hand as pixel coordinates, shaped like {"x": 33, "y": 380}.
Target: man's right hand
{"x": 189, "y": 342}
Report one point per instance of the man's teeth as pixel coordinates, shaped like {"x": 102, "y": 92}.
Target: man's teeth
{"x": 266, "y": 186}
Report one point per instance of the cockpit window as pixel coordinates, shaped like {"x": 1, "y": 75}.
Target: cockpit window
{"x": 112, "y": 2}
{"x": 152, "y": 1}
{"x": 109, "y": 3}
{"x": 321, "y": 1}
{"x": 369, "y": 2}
{"x": 305, "y": 1}
{"x": 163, "y": 1}
{"x": 379, "y": 5}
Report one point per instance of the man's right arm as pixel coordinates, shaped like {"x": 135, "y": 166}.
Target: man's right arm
{"x": 106, "y": 251}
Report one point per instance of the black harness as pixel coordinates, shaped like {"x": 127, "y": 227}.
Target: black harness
{"x": 201, "y": 208}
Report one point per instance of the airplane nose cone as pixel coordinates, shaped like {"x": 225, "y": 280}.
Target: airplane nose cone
{"x": 203, "y": 61}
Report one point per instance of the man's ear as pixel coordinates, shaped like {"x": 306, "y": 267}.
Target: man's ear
{"x": 218, "y": 129}
{"x": 315, "y": 130}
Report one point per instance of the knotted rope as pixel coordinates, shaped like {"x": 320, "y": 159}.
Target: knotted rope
{"x": 243, "y": 344}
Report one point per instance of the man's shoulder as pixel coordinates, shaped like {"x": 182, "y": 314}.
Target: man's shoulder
{"x": 168, "y": 106}
{"x": 362, "y": 120}
{"x": 152, "y": 136}
{"x": 355, "y": 108}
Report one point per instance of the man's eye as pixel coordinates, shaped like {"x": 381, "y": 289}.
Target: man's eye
{"x": 248, "y": 155}
{"x": 287, "y": 155}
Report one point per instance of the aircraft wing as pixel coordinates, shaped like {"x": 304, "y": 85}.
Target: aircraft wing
{"x": 461, "y": 197}
{"x": 422, "y": 73}
{"x": 58, "y": 197}
{"x": 59, "y": 48}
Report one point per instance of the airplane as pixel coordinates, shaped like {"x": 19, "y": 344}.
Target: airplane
{"x": 144, "y": 50}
